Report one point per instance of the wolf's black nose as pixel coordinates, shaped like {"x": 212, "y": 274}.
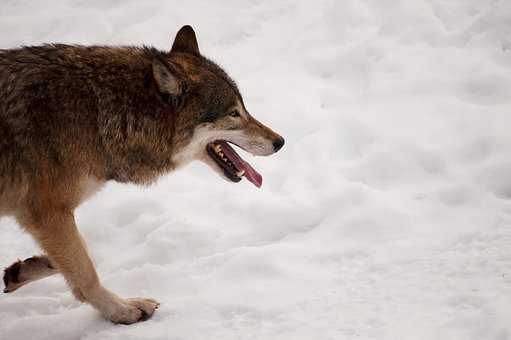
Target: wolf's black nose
{"x": 278, "y": 144}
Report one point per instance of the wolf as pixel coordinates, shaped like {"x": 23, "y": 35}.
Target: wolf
{"x": 74, "y": 117}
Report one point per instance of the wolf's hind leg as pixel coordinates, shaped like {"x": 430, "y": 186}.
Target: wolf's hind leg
{"x": 32, "y": 269}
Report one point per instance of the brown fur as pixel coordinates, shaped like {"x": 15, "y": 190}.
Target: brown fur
{"x": 21, "y": 273}
{"x": 75, "y": 117}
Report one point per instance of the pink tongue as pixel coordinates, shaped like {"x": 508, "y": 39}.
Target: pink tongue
{"x": 250, "y": 173}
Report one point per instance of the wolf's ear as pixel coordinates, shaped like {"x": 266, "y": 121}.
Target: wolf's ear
{"x": 167, "y": 81}
{"x": 186, "y": 41}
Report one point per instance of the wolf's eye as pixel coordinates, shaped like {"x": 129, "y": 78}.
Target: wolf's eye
{"x": 234, "y": 113}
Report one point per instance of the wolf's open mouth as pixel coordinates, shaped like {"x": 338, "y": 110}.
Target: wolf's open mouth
{"x": 233, "y": 165}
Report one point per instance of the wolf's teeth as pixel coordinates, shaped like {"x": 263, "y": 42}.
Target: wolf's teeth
{"x": 240, "y": 173}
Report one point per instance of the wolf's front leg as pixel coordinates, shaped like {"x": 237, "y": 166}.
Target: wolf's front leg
{"x": 32, "y": 269}
{"x": 57, "y": 234}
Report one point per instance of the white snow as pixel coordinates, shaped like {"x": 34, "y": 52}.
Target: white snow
{"x": 385, "y": 216}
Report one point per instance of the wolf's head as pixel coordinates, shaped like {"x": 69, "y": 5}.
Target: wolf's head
{"x": 210, "y": 112}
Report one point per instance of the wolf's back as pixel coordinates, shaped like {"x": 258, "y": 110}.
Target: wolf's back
{"x": 27, "y": 75}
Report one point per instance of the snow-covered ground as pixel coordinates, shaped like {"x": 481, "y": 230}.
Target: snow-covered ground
{"x": 387, "y": 215}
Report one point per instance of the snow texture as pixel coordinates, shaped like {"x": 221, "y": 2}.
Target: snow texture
{"x": 385, "y": 216}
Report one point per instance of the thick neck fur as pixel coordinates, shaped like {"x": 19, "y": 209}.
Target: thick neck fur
{"x": 89, "y": 109}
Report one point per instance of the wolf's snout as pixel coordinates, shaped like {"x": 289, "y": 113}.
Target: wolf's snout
{"x": 278, "y": 144}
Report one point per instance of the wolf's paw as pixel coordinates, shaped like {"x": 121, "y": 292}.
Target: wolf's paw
{"x": 11, "y": 277}
{"x": 20, "y": 273}
{"x": 135, "y": 310}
